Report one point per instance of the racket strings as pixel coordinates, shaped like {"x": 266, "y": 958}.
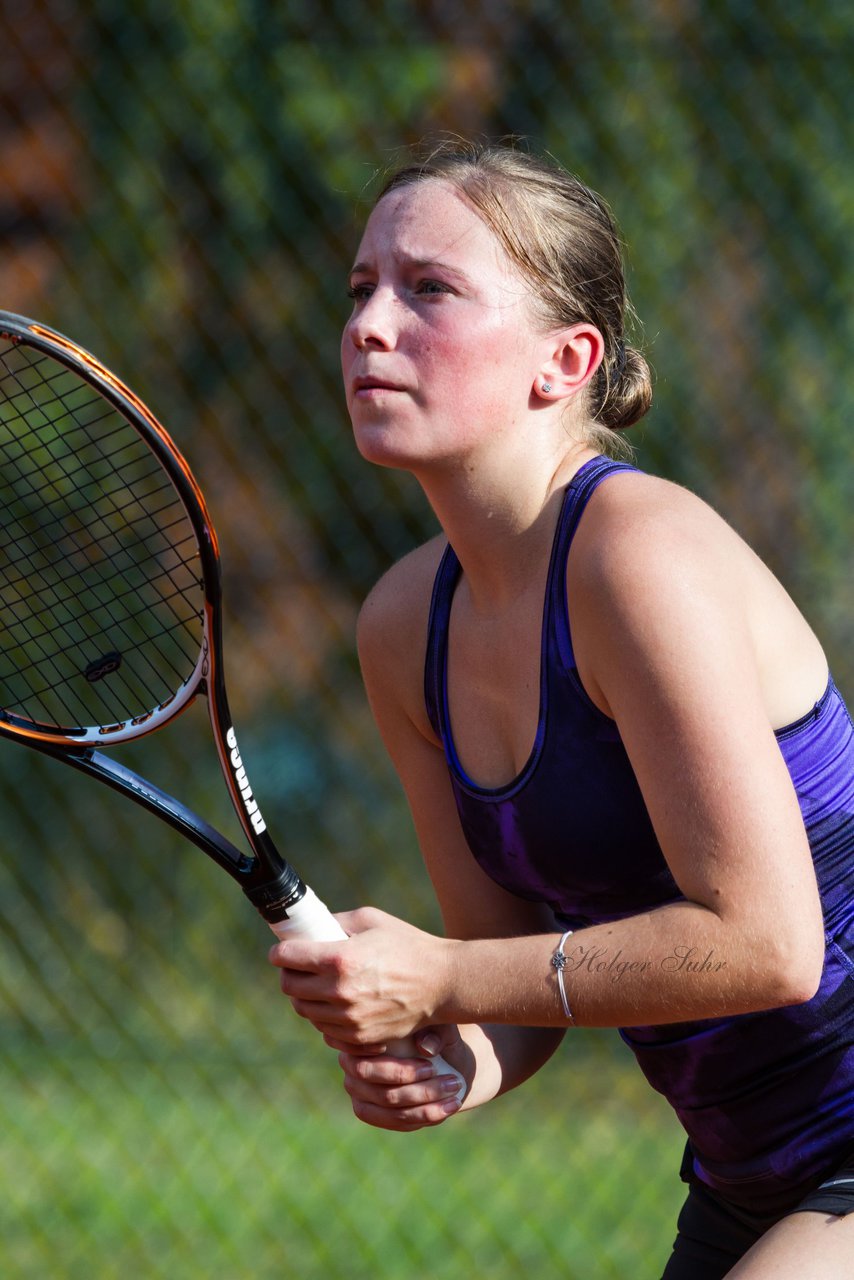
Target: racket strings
{"x": 148, "y": 514}
{"x": 59, "y": 522}
{"x": 64, "y": 614}
{"x": 53, "y": 595}
{"x": 160, "y": 535}
{"x": 100, "y": 581}
{"x": 42, "y": 667}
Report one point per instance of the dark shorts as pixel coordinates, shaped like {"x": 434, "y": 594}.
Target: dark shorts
{"x": 713, "y": 1233}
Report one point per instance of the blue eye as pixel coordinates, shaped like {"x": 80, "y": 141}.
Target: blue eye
{"x": 432, "y": 286}
{"x": 359, "y": 292}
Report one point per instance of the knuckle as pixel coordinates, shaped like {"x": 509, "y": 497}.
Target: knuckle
{"x": 361, "y": 1110}
{"x": 433, "y": 1114}
{"x": 339, "y": 964}
{"x": 368, "y": 918}
{"x": 412, "y": 1118}
{"x": 400, "y": 1074}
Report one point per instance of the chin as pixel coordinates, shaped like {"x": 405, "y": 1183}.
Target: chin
{"x": 379, "y": 446}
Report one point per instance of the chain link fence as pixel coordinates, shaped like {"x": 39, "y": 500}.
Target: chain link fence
{"x": 181, "y": 186}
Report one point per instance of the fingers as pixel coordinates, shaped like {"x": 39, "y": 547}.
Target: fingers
{"x": 362, "y": 990}
{"x": 312, "y": 955}
{"x": 398, "y": 1094}
{"x": 318, "y": 992}
{"x": 340, "y": 993}
{"x": 336, "y": 1022}
{"x": 362, "y": 919}
{"x": 318, "y": 973}
{"x": 304, "y": 954}
{"x": 361, "y": 1050}
{"x": 306, "y": 986}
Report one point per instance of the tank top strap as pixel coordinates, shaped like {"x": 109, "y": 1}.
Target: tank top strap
{"x": 447, "y": 576}
{"x": 578, "y": 493}
{"x": 556, "y": 623}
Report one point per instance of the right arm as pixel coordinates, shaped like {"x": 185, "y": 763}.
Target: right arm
{"x": 392, "y": 640}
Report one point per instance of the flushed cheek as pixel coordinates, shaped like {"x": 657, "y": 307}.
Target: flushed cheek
{"x": 483, "y": 369}
{"x": 452, "y": 367}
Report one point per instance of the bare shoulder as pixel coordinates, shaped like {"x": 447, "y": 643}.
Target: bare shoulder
{"x": 392, "y": 630}
{"x": 644, "y": 516}
{"x": 656, "y": 570}
{"x": 643, "y": 539}
{"x": 398, "y": 606}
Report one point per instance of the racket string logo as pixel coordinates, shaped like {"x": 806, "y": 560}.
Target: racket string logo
{"x": 103, "y": 666}
{"x": 250, "y": 804}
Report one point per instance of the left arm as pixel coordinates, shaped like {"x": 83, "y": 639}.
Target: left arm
{"x": 665, "y": 645}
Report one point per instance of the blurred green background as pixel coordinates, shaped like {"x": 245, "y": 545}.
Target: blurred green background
{"x": 181, "y": 187}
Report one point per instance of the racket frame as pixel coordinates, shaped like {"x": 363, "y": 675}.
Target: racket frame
{"x": 267, "y": 879}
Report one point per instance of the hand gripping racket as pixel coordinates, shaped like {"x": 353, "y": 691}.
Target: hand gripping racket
{"x": 111, "y": 602}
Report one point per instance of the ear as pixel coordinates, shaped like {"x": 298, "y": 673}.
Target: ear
{"x": 572, "y": 357}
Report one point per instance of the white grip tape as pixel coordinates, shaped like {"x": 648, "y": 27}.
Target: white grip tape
{"x": 311, "y": 918}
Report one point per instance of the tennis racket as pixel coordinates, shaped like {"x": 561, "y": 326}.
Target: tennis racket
{"x": 111, "y": 602}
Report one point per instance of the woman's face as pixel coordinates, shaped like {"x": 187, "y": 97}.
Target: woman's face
{"x": 441, "y": 351}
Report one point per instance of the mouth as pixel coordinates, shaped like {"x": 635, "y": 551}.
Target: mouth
{"x": 366, "y": 385}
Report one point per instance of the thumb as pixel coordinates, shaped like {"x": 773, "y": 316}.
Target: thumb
{"x": 360, "y": 920}
{"x": 431, "y": 1041}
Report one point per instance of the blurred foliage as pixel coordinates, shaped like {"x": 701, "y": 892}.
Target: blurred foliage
{"x": 181, "y": 188}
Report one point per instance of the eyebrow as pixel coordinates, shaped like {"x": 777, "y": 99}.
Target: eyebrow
{"x": 419, "y": 264}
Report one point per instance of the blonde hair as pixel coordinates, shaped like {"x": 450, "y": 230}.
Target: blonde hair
{"x": 563, "y": 238}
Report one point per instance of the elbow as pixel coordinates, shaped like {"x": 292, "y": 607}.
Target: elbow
{"x": 804, "y": 983}
{"x": 797, "y": 973}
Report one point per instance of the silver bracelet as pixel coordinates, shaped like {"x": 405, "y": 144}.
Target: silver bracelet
{"x": 559, "y": 964}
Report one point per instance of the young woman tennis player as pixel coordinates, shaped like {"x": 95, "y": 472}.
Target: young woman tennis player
{"x": 608, "y": 717}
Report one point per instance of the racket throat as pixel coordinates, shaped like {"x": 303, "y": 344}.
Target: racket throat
{"x": 275, "y": 898}
{"x": 245, "y": 798}
{"x": 273, "y": 887}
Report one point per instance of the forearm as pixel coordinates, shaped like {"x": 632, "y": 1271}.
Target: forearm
{"x": 677, "y": 963}
{"x": 503, "y": 1057}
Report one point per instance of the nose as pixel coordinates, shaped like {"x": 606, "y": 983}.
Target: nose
{"x": 372, "y": 322}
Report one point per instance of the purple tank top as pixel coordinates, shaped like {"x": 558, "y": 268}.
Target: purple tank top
{"x": 767, "y": 1099}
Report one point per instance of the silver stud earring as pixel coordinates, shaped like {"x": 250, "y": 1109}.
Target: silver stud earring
{"x": 547, "y": 386}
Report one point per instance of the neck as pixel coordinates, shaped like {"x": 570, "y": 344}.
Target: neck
{"x": 500, "y": 527}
